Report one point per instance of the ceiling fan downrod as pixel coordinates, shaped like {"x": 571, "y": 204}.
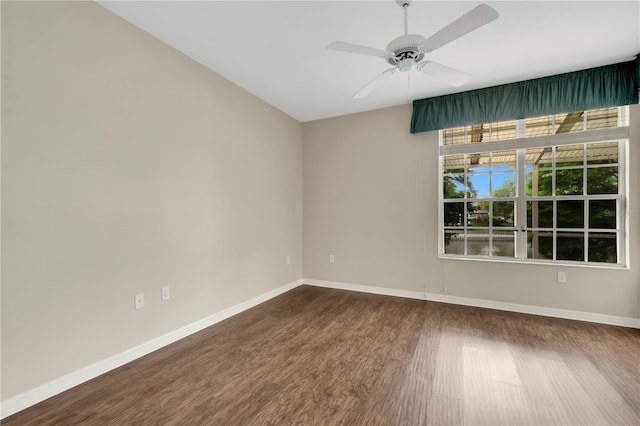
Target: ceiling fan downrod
{"x": 404, "y": 4}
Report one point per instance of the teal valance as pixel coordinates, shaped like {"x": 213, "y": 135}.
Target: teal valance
{"x": 601, "y": 87}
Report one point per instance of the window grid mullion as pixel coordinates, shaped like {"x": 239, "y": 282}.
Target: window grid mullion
{"x": 555, "y": 229}
{"x": 521, "y": 210}
{"x": 586, "y": 203}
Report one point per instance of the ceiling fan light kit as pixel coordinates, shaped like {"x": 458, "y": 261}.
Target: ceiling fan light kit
{"x": 408, "y": 51}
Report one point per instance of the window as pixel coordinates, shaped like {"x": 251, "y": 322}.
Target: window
{"x": 543, "y": 190}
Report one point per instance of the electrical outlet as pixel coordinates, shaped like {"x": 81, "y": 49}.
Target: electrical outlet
{"x": 165, "y": 293}
{"x": 332, "y": 259}
{"x": 288, "y": 260}
{"x": 139, "y": 301}
{"x": 562, "y": 277}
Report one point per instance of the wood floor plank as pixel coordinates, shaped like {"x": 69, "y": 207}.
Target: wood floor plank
{"x": 492, "y": 391}
{"x": 604, "y": 397}
{"x": 396, "y": 349}
{"x": 448, "y": 377}
{"x": 413, "y": 403}
{"x": 316, "y": 356}
{"x": 546, "y": 407}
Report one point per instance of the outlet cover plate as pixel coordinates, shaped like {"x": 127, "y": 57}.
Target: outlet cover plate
{"x": 139, "y": 301}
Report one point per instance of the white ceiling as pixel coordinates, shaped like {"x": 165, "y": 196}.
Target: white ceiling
{"x": 276, "y": 49}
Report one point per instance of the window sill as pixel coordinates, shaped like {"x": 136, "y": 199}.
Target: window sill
{"x": 555, "y": 263}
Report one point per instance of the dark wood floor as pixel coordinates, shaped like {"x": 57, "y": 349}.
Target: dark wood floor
{"x": 320, "y": 356}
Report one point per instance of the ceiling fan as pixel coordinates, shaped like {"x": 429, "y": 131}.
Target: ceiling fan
{"x": 408, "y": 50}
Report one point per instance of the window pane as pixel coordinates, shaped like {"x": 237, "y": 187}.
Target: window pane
{"x": 602, "y": 118}
{"x": 453, "y": 214}
{"x": 570, "y": 246}
{"x": 569, "y": 181}
{"x": 503, "y": 185}
{"x": 503, "y": 214}
{"x": 503, "y": 161}
{"x": 453, "y": 136}
{"x": 478, "y": 185}
{"x": 477, "y": 133}
{"x": 503, "y": 243}
{"x": 539, "y": 183}
{"x": 602, "y": 214}
{"x": 570, "y": 214}
{"x": 570, "y": 155}
{"x": 603, "y": 247}
{"x": 602, "y": 153}
{"x": 478, "y": 162}
{"x": 453, "y": 186}
{"x": 540, "y": 214}
{"x": 478, "y": 242}
{"x": 602, "y": 180}
{"x": 503, "y": 130}
{"x": 478, "y": 214}
{"x": 454, "y": 164}
{"x": 569, "y": 123}
{"x": 539, "y": 126}
{"x": 539, "y": 157}
{"x": 454, "y": 242}
{"x": 539, "y": 245}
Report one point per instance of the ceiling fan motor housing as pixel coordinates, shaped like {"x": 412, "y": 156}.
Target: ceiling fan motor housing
{"x": 406, "y": 50}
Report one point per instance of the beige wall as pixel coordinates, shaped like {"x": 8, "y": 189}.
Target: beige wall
{"x": 366, "y": 183}
{"x": 371, "y": 199}
{"x": 127, "y": 167}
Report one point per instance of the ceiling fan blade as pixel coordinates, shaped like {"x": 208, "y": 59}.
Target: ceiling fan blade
{"x": 472, "y": 20}
{"x": 356, "y": 48}
{"x": 444, "y": 73}
{"x": 373, "y": 84}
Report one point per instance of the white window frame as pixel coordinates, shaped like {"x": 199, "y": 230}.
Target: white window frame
{"x": 520, "y": 144}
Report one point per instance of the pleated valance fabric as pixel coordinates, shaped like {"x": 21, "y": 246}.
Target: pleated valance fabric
{"x": 601, "y": 87}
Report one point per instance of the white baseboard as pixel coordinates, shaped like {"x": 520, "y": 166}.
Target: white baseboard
{"x": 54, "y": 387}
{"x": 365, "y": 289}
{"x": 537, "y": 310}
{"x": 481, "y": 303}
